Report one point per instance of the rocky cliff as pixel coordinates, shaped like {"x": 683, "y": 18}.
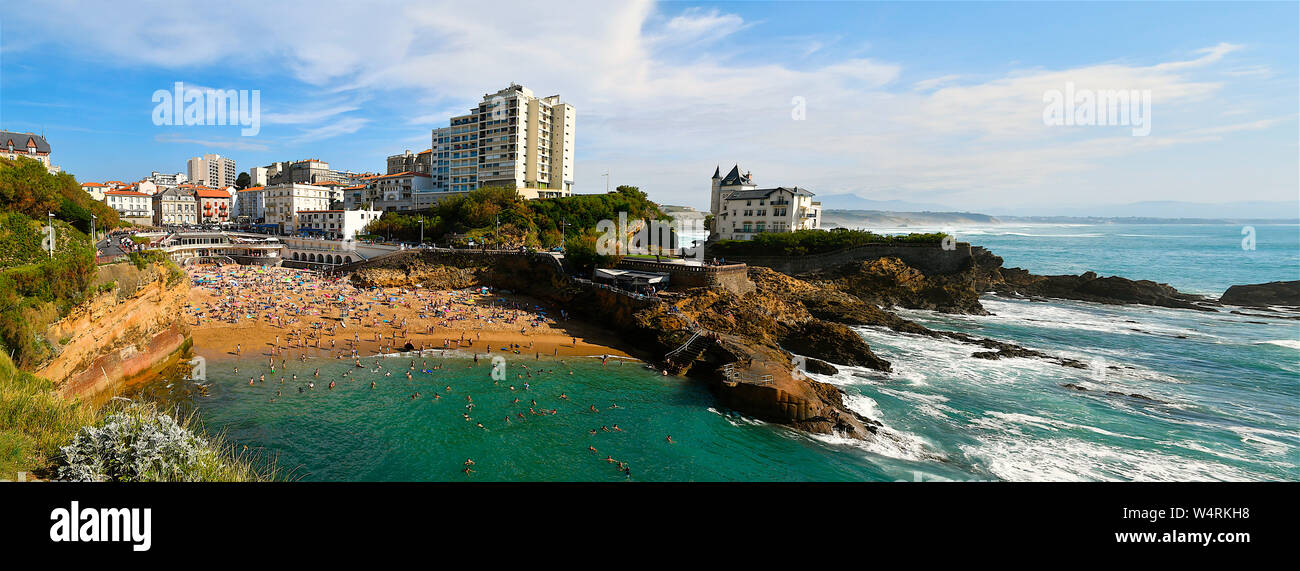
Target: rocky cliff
{"x": 133, "y": 326}
{"x": 744, "y": 357}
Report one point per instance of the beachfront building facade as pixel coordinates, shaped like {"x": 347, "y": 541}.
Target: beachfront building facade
{"x": 214, "y": 205}
{"x": 740, "y": 209}
{"x": 249, "y": 205}
{"x": 131, "y": 206}
{"x": 282, "y": 202}
{"x": 174, "y": 207}
{"x": 335, "y": 224}
{"x": 213, "y": 171}
{"x": 26, "y": 145}
{"x": 512, "y": 139}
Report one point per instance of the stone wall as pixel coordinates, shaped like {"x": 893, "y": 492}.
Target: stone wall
{"x": 731, "y": 277}
{"x": 929, "y": 258}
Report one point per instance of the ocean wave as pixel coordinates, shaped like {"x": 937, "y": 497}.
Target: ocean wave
{"x": 1071, "y": 459}
{"x": 1288, "y": 343}
{"x": 736, "y": 419}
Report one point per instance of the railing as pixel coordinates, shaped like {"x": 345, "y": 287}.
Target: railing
{"x": 683, "y": 346}
{"x": 617, "y": 290}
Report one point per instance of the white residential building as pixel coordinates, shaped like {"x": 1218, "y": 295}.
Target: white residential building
{"x": 259, "y": 176}
{"x": 284, "y": 201}
{"x": 741, "y": 209}
{"x": 167, "y": 180}
{"x": 511, "y": 139}
{"x": 95, "y": 189}
{"x": 131, "y": 206}
{"x": 335, "y": 224}
{"x": 249, "y": 205}
{"x": 212, "y": 171}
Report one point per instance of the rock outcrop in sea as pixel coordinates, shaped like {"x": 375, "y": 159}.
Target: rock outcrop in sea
{"x": 1263, "y": 295}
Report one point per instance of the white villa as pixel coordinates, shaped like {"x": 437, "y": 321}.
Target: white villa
{"x": 741, "y": 209}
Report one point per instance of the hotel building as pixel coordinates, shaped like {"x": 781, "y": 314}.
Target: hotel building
{"x": 512, "y": 138}
{"x": 212, "y": 171}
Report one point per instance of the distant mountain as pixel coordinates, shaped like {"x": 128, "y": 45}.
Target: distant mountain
{"x": 855, "y": 202}
{"x": 869, "y": 219}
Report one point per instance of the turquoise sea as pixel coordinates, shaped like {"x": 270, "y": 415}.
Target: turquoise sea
{"x": 1219, "y": 393}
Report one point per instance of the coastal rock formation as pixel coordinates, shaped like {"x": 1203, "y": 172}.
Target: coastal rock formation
{"x": 123, "y": 333}
{"x": 1259, "y": 295}
{"x": 891, "y": 282}
{"x": 1088, "y": 286}
{"x": 744, "y": 356}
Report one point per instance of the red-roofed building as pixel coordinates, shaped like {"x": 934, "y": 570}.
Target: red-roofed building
{"x": 214, "y": 205}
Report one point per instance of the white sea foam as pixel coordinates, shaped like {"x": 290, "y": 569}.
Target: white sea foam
{"x": 736, "y": 419}
{"x": 1053, "y": 424}
{"x": 887, "y": 442}
{"x": 1071, "y": 459}
{"x": 1288, "y": 343}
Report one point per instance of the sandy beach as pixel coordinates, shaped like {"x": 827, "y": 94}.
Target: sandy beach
{"x": 284, "y": 313}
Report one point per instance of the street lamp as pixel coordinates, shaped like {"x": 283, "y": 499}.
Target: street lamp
{"x": 93, "y": 220}
{"x": 422, "y": 230}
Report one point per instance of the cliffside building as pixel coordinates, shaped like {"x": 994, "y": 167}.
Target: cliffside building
{"x": 741, "y": 209}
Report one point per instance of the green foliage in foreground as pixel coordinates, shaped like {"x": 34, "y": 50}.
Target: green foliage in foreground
{"x": 139, "y": 443}
{"x": 804, "y": 242}
{"x": 48, "y": 435}
{"x": 34, "y": 422}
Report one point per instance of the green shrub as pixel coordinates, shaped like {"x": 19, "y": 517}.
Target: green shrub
{"x": 804, "y": 242}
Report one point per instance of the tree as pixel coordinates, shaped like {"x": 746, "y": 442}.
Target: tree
{"x": 243, "y": 181}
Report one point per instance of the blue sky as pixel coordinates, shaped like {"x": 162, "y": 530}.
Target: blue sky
{"x": 924, "y": 102}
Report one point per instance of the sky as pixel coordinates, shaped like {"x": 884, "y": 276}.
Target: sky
{"x": 930, "y": 102}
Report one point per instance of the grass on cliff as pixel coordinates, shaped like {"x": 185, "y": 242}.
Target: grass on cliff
{"x": 804, "y": 242}
{"x": 36, "y": 421}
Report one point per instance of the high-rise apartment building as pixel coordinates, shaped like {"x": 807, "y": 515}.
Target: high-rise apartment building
{"x": 511, "y": 139}
{"x": 212, "y": 171}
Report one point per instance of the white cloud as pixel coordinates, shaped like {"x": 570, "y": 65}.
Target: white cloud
{"x": 345, "y": 126}
{"x": 236, "y": 144}
{"x": 306, "y": 115}
{"x": 660, "y": 101}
